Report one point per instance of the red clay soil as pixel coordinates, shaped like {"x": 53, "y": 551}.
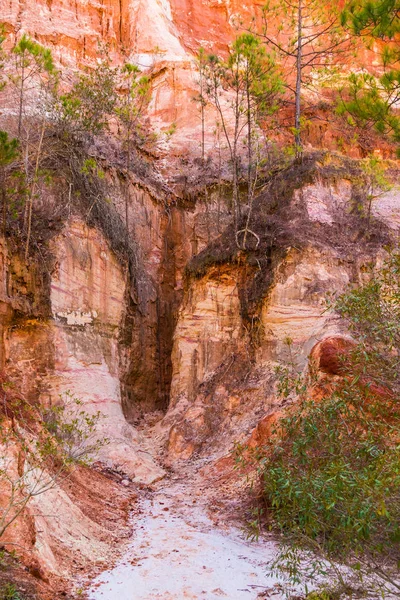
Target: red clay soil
{"x": 106, "y": 502}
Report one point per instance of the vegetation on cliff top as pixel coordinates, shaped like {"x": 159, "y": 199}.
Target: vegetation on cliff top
{"x": 277, "y": 234}
{"x": 55, "y": 144}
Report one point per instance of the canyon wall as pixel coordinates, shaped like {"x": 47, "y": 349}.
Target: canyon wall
{"x": 62, "y": 320}
{"x": 186, "y": 325}
{"x": 79, "y": 322}
{"x": 224, "y": 359}
{"x": 193, "y": 327}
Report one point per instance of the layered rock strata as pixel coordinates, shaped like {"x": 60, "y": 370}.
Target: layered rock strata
{"x": 236, "y": 323}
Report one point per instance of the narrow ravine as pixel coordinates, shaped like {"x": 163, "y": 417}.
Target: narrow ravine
{"x": 177, "y": 552}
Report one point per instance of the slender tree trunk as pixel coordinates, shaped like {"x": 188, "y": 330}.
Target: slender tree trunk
{"x": 4, "y": 201}
{"x": 236, "y": 195}
{"x": 26, "y": 166}
{"x": 21, "y": 98}
{"x": 232, "y": 150}
{"x": 32, "y": 191}
{"x": 250, "y": 161}
{"x": 297, "y": 118}
{"x": 202, "y": 112}
{"x": 208, "y": 220}
{"x": 202, "y": 129}
{"x": 128, "y": 166}
{"x": 249, "y": 143}
{"x": 219, "y": 179}
{"x": 202, "y": 104}
{"x": 370, "y": 199}
{"x": 249, "y": 147}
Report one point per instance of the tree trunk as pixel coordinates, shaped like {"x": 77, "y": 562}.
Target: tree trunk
{"x": 32, "y": 192}
{"x": 219, "y": 179}
{"x": 4, "y": 201}
{"x": 202, "y": 115}
{"x": 235, "y": 192}
{"x": 250, "y": 160}
{"x": 21, "y": 99}
{"x": 128, "y": 166}
{"x": 202, "y": 132}
{"x": 236, "y": 196}
{"x": 297, "y": 117}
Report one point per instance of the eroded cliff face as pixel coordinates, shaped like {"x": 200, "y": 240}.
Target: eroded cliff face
{"x": 78, "y": 321}
{"x": 166, "y": 234}
{"x": 187, "y": 326}
{"x": 193, "y": 326}
{"x": 63, "y": 346}
{"x": 224, "y": 380}
{"x": 207, "y": 333}
{"x": 170, "y": 29}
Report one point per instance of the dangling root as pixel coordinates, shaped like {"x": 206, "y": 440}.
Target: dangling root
{"x": 246, "y": 231}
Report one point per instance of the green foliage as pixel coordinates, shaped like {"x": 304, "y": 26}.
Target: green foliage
{"x": 131, "y": 105}
{"x": 9, "y": 152}
{"x": 10, "y": 592}
{"x": 374, "y": 100}
{"x": 322, "y": 595}
{"x": 244, "y": 89}
{"x": 73, "y": 430}
{"x": 376, "y": 183}
{"x": 33, "y": 66}
{"x": 39, "y": 446}
{"x": 91, "y": 169}
{"x": 370, "y": 101}
{"x": 376, "y": 18}
{"x": 330, "y": 476}
{"x": 103, "y": 99}
{"x": 27, "y": 51}
{"x": 57, "y": 135}
{"x": 34, "y": 79}
{"x": 252, "y": 68}
{"x": 88, "y": 107}
{"x": 9, "y": 149}
{"x": 251, "y": 72}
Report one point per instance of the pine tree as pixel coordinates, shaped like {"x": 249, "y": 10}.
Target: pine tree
{"x": 370, "y": 100}
{"x": 130, "y": 110}
{"x": 87, "y": 109}
{"x": 9, "y": 151}
{"x": 34, "y": 70}
{"x": 308, "y": 40}
{"x": 33, "y": 62}
{"x": 244, "y": 88}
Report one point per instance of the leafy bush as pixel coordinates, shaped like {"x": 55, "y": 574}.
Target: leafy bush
{"x": 330, "y": 476}
{"x": 39, "y": 446}
{"x": 10, "y": 592}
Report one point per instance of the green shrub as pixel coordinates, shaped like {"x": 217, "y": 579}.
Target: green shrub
{"x": 10, "y": 592}
{"x": 39, "y": 447}
{"x": 330, "y": 476}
